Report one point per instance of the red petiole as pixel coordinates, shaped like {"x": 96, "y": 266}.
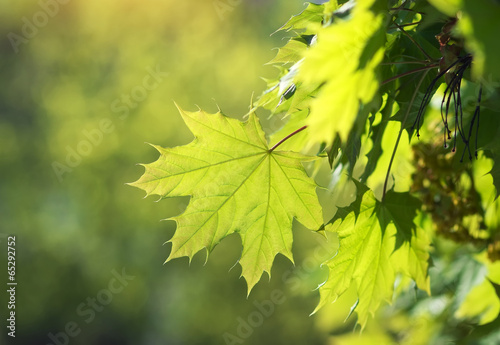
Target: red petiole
{"x": 286, "y": 138}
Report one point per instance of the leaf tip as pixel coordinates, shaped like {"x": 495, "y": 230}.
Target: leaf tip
{"x": 321, "y": 304}
{"x": 252, "y": 281}
{"x": 156, "y": 147}
{"x": 315, "y": 310}
{"x": 250, "y": 286}
{"x": 131, "y": 184}
{"x": 137, "y": 184}
{"x": 178, "y": 107}
{"x": 207, "y": 252}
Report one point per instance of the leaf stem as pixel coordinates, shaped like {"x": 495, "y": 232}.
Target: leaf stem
{"x": 410, "y": 105}
{"x": 409, "y": 24}
{"x": 428, "y": 67}
{"x": 413, "y": 41}
{"x": 401, "y": 8}
{"x": 405, "y": 63}
{"x": 286, "y": 138}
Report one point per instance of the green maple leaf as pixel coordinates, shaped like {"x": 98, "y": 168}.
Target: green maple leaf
{"x": 495, "y": 173}
{"x": 346, "y": 60}
{"x": 362, "y": 258}
{"x": 312, "y": 14}
{"x": 413, "y": 244}
{"x": 237, "y": 184}
{"x": 376, "y": 241}
{"x": 291, "y": 52}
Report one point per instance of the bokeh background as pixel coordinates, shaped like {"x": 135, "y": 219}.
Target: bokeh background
{"x": 83, "y": 86}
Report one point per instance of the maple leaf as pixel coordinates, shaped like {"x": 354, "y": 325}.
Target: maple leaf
{"x": 291, "y": 52}
{"x": 345, "y": 59}
{"x": 370, "y": 254}
{"x": 237, "y": 184}
{"x": 413, "y": 244}
{"x": 495, "y": 173}
{"x": 312, "y": 14}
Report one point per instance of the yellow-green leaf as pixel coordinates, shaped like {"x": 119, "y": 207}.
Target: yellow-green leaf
{"x": 376, "y": 241}
{"x": 237, "y": 184}
{"x": 362, "y": 258}
{"x": 345, "y": 59}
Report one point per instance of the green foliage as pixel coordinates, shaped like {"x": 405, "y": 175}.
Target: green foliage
{"x": 377, "y": 241}
{"x": 363, "y": 77}
{"x": 54, "y": 93}
{"x": 237, "y": 184}
{"x": 345, "y": 60}
{"x": 312, "y": 14}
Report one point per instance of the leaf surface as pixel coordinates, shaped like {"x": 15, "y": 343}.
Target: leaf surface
{"x": 346, "y": 59}
{"x": 312, "y": 14}
{"x": 376, "y": 241}
{"x": 236, "y": 185}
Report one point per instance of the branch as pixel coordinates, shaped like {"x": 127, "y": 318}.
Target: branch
{"x": 414, "y": 42}
{"x": 428, "y": 67}
{"x": 410, "y": 105}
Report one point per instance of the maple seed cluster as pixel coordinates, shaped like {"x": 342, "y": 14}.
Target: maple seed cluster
{"x": 449, "y": 202}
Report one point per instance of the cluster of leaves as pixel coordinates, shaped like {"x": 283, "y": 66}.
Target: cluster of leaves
{"x": 353, "y": 85}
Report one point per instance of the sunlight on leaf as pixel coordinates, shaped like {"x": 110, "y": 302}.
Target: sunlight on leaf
{"x": 376, "y": 241}
{"x": 345, "y": 58}
{"x": 237, "y": 185}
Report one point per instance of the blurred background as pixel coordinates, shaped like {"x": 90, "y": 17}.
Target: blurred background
{"x": 84, "y": 85}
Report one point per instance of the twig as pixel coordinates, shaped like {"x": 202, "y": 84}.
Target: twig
{"x": 409, "y": 24}
{"x": 414, "y": 42}
{"x": 405, "y": 63}
{"x": 410, "y": 105}
{"x": 428, "y": 67}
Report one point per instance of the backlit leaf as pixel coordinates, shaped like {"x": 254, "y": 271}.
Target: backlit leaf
{"x": 345, "y": 59}
{"x": 376, "y": 241}
{"x": 236, "y": 185}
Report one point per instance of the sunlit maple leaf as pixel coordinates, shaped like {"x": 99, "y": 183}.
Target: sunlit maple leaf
{"x": 237, "y": 184}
